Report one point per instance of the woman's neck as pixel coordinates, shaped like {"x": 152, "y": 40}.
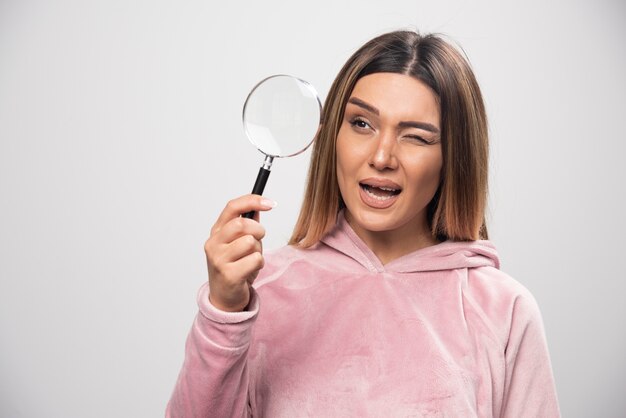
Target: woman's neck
{"x": 392, "y": 244}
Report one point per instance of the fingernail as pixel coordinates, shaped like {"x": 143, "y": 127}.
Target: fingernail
{"x": 268, "y": 203}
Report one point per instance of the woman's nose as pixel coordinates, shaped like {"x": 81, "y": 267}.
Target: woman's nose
{"x": 383, "y": 157}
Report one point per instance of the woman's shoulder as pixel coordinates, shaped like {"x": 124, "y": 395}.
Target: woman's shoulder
{"x": 484, "y": 274}
{"x": 316, "y": 259}
{"x": 494, "y": 281}
{"x": 277, "y": 261}
{"x": 500, "y": 300}
{"x": 286, "y": 255}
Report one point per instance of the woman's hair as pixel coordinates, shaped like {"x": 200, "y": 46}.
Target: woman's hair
{"x": 457, "y": 211}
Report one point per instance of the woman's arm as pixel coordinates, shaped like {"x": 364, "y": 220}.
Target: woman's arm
{"x": 529, "y": 389}
{"x": 213, "y": 381}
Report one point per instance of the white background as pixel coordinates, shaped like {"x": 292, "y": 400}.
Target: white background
{"x": 121, "y": 140}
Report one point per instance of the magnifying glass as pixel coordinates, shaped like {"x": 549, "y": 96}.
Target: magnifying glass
{"x": 281, "y": 117}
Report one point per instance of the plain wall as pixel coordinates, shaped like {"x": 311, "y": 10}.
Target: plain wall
{"x": 121, "y": 141}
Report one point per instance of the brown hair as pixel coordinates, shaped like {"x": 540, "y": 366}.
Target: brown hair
{"x": 457, "y": 210}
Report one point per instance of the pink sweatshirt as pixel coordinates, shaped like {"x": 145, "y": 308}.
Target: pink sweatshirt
{"x": 331, "y": 332}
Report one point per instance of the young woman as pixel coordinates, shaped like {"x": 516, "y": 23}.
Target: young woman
{"x": 388, "y": 300}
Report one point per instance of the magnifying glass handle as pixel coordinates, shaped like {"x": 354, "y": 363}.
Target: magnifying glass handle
{"x": 259, "y": 186}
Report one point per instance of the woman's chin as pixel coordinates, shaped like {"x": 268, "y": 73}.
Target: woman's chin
{"x": 372, "y": 221}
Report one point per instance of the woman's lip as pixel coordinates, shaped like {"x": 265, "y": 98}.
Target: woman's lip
{"x": 378, "y": 182}
{"x": 375, "y": 203}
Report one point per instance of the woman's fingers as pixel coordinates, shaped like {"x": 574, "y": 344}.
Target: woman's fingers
{"x": 223, "y": 256}
{"x": 241, "y": 205}
{"x": 238, "y": 227}
{"x": 251, "y": 264}
{"x": 234, "y": 252}
{"x": 230, "y": 283}
{"x": 242, "y": 247}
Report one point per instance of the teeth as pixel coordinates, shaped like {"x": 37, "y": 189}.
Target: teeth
{"x": 378, "y": 197}
{"x": 387, "y": 189}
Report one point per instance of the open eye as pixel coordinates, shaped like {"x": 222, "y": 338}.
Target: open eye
{"x": 359, "y": 123}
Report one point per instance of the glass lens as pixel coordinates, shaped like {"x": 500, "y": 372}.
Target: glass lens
{"x": 281, "y": 115}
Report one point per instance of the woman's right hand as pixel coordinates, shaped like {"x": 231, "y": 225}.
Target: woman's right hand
{"x": 234, "y": 252}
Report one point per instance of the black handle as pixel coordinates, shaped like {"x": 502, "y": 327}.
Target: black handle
{"x": 259, "y": 186}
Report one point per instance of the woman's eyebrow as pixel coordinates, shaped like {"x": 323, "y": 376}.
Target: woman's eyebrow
{"x": 364, "y": 105}
{"x": 419, "y": 125}
{"x": 410, "y": 124}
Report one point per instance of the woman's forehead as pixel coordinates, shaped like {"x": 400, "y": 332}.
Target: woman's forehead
{"x": 396, "y": 96}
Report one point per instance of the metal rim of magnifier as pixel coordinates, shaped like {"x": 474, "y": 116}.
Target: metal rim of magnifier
{"x": 308, "y": 86}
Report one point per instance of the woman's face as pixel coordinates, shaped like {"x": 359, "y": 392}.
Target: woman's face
{"x": 389, "y": 156}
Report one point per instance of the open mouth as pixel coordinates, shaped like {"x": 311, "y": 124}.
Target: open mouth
{"x": 380, "y": 193}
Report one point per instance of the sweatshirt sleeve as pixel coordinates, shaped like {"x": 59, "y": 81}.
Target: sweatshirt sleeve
{"x": 213, "y": 381}
{"x": 529, "y": 388}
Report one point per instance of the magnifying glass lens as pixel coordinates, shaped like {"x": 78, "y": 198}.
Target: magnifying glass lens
{"x": 281, "y": 115}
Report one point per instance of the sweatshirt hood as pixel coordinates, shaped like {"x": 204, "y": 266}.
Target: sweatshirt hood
{"x": 448, "y": 255}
